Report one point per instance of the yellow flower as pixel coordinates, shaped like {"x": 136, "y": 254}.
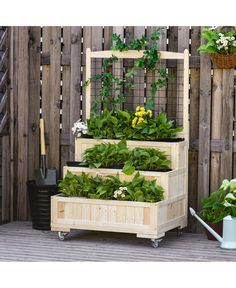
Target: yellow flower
{"x": 149, "y": 112}
{"x": 140, "y": 120}
{"x": 137, "y": 108}
{"x": 134, "y": 122}
{"x": 139, "y": 114}
{"x": 142, "y": 109}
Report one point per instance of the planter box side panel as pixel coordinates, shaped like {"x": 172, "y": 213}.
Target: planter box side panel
{"x": 172, "y": 179}
{"x": 176, "y": 152}
{"x": 105, "y": 217}
{"x": 172, "y": 214}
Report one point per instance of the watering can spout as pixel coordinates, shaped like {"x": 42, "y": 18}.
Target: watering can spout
{"x": 217, "y": 236}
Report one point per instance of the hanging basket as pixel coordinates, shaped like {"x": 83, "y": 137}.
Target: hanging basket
{"x": 224, "y": 61}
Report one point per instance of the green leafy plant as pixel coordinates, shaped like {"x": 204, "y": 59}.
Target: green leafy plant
{"x": 115, "y": 124}
{"x": 149, "y": 159}
{"x": 119, "y": 124}
{"x": 110, "y": 82}
{"x": 148, "y": 61}
{"x": 157, "y": 128}
{"x": 218, "y": 41}
{"x": 213, "y": 209}
{"x": 109, "y": 187}
{"x": 229, "y": 187}
{"x": 106, "y": 155}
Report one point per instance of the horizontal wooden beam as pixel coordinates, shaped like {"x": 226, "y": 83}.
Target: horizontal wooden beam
{"x": 171, "y": 63}
{"x": 216, "y": 145}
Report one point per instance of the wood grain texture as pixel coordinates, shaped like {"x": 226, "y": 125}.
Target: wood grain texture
{"x": 194, "y": 122}
{"x": 75, "y": 84}
{"x": 204, "y": 127}
{"x": 34, "y": 99}
{"x": 23, "y": 110}
{"x": 66, "y": 89}
{"x": 53, "y": 99}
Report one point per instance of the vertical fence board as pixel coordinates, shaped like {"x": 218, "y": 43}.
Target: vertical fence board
{"x": 34, "y": 99}
{"x": 87, "y": 43}
{"x": 194, "y": 131}
{"x": 75, "y": 84}
{"x": 216, "y": 127}
{"x": 54, "y": 98}
{"x": 5, "y": 178}
{"x": 46, "y": 36}
{"x": 108, "y": 31}
{"x": 227, "y": 123}
{"x": 204, "y": 127}
{"x": 66, "y": 74}
{"x": 23, "y": 94}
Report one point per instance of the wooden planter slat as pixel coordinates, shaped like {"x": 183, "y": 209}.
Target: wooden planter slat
{"x": 173, "y": 182}
{"x": 176, "y": 151}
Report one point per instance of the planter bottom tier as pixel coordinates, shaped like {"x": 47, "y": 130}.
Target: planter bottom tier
{"x": 147, "y": 220}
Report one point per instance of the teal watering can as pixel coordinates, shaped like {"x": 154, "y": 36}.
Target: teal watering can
{"x": 228, "y": 241}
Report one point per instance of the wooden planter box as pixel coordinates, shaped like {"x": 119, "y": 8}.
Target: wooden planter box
{"x": 177, "y": 152}
{"x": 147, "y": 220}
{"x": 173, "y": 181}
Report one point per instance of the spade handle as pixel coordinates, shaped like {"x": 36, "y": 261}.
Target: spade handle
{"x": 42, "y": 137}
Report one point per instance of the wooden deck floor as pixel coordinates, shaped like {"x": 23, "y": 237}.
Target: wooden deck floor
{"x": 19, "y": 242}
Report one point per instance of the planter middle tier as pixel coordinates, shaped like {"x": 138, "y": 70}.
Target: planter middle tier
{"x": 177, "y": 152}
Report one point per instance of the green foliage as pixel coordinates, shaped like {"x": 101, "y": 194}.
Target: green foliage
{"x": 229, "y": 187}
{"x": 157, "y": 128}
{"x": 149, "y": 159}
{"x": 118, "y": 125}
{"x": 115, "y": 124}
{"x": 106, "y": 155}
{"x": 98, "y": 187}
{"x": 148, "y": 61}
{"x": 218, "y": 41}
{"x": 213, "y": 208}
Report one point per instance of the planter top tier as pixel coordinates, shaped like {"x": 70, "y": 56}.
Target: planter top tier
{"x": 172, "y": 99}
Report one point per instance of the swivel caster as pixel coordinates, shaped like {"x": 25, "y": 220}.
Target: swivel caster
{"x": 179, "y": 232}
{"x": 155, "y": 242}
{"x": 62, "y": 235}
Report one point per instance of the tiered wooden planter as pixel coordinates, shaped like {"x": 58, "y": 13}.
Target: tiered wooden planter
{"x": 146, "y": 220}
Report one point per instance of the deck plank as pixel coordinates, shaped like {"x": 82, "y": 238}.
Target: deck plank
{"x": 19, "y": 242}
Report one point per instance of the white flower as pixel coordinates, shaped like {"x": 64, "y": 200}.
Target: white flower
{"x": 220, "y": 34}
{"x": 232, "y": 38}
{"x": 234, "y": 43}
{"x": 123, "y": 195}
{"x": 230, "y": 196}
{"x": 80, "y": 128}
{"x": 226, "y": 48}
{"x": 227, "y": 204}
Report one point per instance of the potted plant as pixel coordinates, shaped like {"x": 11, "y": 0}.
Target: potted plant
{"x": 221, "y": 46}
{"x": 213, "y": 211}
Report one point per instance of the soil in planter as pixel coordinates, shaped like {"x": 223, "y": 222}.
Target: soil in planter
{"x": 157, "y": 140}
{"x": 118, "y": 166}
{"x": 217, "y": 227}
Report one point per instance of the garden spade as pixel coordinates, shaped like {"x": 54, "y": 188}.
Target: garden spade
{"x": 43, "y": 175}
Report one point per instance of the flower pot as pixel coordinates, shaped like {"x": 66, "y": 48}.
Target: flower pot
{"x": 218, "y": 227}
{"x": 224, "y": 61}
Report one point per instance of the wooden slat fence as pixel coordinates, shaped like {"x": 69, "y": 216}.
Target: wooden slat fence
{"x": 48, "y": 66}
{"x": 4, "y": 125}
